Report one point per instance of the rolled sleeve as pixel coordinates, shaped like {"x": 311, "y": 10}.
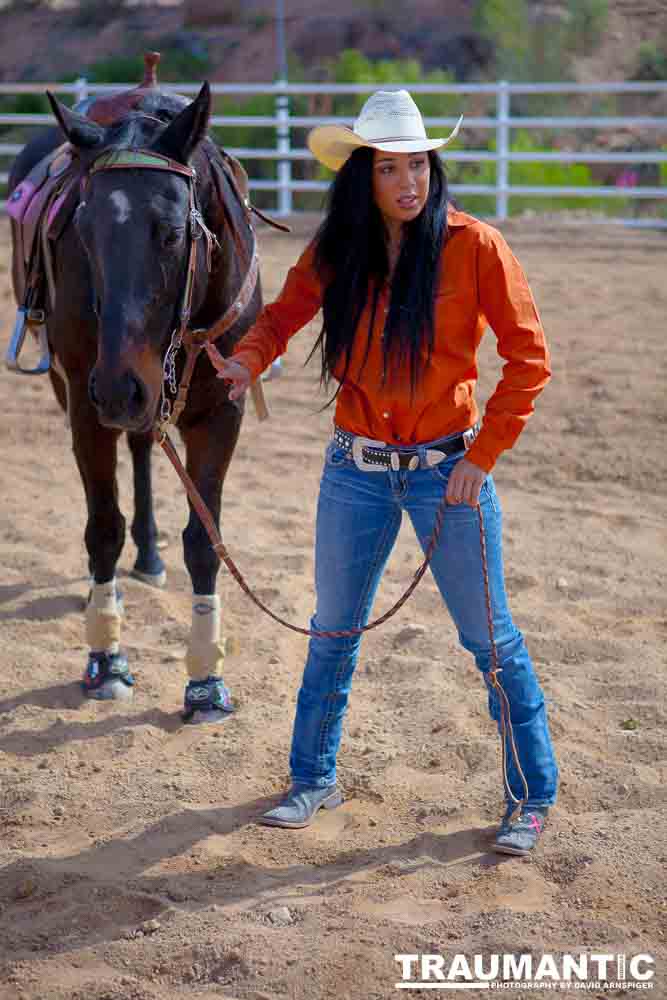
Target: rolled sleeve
{"x": 297, "y": 303}
{"x": 509, "y": 308}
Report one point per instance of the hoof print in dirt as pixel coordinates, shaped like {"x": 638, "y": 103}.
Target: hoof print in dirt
{"x": 108, "y": 677}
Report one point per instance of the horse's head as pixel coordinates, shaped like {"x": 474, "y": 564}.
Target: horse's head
{"x": 134, "y": 227}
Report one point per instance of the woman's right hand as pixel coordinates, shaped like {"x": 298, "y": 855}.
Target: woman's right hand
{"x": 238, "y": 375}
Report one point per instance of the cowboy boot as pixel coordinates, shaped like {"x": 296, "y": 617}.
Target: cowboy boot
{"x": 300, "y": 804}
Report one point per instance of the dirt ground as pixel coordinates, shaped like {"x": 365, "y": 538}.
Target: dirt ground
{"x": 131, "y": 867}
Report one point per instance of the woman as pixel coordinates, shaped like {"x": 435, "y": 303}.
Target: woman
{"x": 407, "y": 285}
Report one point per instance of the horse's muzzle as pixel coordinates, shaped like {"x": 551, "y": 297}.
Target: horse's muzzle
{"x": 122, "y": 401}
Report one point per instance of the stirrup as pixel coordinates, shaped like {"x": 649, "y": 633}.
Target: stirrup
{"x": 24, "y": 318}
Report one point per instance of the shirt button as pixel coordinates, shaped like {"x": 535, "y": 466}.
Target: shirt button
{"x": 386, "y": 415}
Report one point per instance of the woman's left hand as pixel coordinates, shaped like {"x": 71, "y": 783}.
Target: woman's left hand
{"x": 465, "y": 482}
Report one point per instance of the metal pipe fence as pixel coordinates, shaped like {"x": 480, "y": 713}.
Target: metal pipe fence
{"x": 502, "y": 123}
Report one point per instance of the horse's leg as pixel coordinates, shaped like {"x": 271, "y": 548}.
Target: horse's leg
{"x": 209, "y": 447}
{"x": 148, "y": 566}
{"x": 107, "y": 675}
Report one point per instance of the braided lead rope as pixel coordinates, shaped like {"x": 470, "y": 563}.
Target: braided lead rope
{"x": 505, "y": 718}
{"x": 220, "y": 549}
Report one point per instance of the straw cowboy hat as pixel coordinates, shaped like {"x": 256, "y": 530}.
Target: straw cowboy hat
{"x": 389, "y": 120}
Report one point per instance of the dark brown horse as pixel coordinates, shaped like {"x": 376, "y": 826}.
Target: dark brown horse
{"x": 120, "y": 271}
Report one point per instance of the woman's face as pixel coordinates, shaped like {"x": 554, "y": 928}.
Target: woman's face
{"x": 400, "y": 184}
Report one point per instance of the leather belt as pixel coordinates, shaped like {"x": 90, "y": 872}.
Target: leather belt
{"x": 376, "y": 456}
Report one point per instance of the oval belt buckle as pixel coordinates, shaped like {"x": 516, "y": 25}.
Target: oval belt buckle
{"x": 358, "y": 445}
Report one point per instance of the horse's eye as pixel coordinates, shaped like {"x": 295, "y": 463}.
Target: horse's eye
{"x": 171, "y": 237}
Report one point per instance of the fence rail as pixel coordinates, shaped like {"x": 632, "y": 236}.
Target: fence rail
{"x": 502, "y": 123}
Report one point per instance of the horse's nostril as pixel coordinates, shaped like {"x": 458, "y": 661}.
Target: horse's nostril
{"x": 92, "y": 389}
{"x": 136, "y": 393}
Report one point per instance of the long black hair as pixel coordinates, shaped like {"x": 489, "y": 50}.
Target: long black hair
{"x": 351, "y": 257}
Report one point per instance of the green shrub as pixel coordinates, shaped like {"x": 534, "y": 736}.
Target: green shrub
{"x": 116, "y": 69}
{"x": 651, "y": 62}
{"x": 529, "y": 174}
{"x": 503, "y": 22}
{"x": 586, "y": 24}
{"x": 539, "y": 45}
{"x": 353, "y": 66}
{"x": 527, "y": 46}
{"x": 176, "y": 64}
{"x": 28, "y": 104}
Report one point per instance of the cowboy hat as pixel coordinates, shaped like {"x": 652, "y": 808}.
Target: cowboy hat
{"x": 389, "y": 120}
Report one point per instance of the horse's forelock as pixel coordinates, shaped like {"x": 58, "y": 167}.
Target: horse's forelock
{"x": 136, "y": 129}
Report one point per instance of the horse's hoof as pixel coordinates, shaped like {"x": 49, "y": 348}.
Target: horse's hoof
{"x": 152, "y": 579}
{"x": 207, "y": 701}
{"x": 108, "y": 678}
{"x": 202, "y": 716}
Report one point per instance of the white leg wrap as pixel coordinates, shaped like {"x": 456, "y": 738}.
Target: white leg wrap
{"x": 206, "y": 646}
{"x": 103, "y": 618}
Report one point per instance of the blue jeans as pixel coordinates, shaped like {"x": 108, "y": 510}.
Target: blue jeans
{"x": 358, "y": 519}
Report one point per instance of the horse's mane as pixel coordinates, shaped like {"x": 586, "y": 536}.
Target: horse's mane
{"x": 131, "y": 129}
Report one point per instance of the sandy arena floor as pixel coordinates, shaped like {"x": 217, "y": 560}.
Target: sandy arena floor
{"x": 130, "y": 864}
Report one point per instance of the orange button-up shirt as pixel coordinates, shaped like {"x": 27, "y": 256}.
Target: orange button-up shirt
{"x": 481, "y": 283}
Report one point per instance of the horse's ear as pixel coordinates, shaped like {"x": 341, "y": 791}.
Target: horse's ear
{"x": 183, "y": 135}
{"x": 79, "y": 130}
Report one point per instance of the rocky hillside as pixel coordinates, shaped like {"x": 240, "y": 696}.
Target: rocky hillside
{"x": 234, "y": 40}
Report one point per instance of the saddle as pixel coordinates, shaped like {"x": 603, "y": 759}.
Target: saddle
{"x": 42, "y": 206}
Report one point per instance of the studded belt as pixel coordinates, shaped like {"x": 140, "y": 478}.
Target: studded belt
{"x": 376, "y": 456}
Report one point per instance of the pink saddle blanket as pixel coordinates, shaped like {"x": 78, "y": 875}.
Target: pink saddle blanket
{"x": 28, "y": 199}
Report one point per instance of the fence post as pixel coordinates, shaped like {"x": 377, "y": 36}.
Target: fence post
{"x": 283, "y": 146}
{"x": 502, "y": 148}
{"x": 81, "y": 92}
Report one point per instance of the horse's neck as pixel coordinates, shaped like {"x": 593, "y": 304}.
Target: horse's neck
{"x": 234, "y": 233}
{"x": 232, "y": 261}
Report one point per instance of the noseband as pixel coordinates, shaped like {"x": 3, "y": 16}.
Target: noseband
{"x": 182, "y": 335}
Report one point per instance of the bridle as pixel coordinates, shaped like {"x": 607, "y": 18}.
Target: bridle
{"x": 182, "y": 336}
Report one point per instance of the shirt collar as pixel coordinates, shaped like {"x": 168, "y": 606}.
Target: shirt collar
{"x": 458, "y": 220}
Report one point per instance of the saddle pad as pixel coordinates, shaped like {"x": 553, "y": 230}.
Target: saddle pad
{"x": 50, "y": 166}
{"x": 28, "y": 200}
